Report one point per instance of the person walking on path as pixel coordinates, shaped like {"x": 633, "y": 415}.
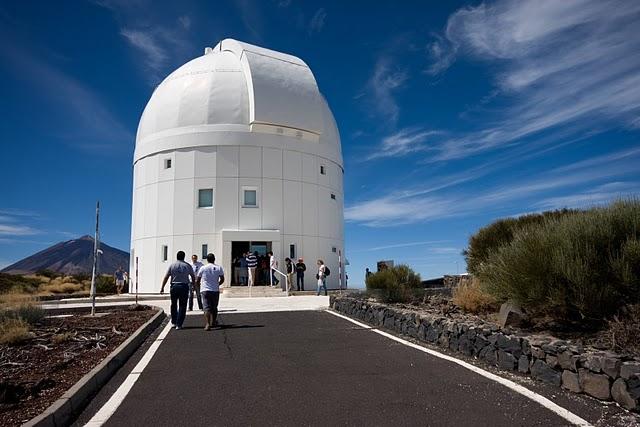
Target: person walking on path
{"x": 193, "y": 286}
{"x": 118, "y": 276}
{"x": 322, "y": 276}
{"x": 210, "y": 277}
{"x": 291, "y": 269}
{"x": 180, "y": 273}
{"x": 252, "y": 264}
{"x": 273, "y": 265}
{"x": 300, "y": 269}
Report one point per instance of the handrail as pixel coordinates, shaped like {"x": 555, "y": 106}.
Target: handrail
{"x": 286, "y": 278}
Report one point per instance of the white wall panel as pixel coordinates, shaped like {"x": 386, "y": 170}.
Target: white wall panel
{"x": 203, "y": 218}
{"x": 184, "y": 205}
{"x": 227, "y": 161}
{"x": 226, "y": 203}
{"x": 250, "y": 162}
{"x": 271, "y": 204}
{"x": 151, "y": 169}
{"x": 310, "y": 168}
{"x": 292, "y": 207}
{"x": 165, "y": 208}
{"x": 310, "y": 209}
{"x": 205, "y": 162}
{"x": 292, "y": 165}
{"x": 250, "y": 217}
{"x": 272, "y": 163}
{"x": 184, "y": 163}
{"x": 150, "y": 208}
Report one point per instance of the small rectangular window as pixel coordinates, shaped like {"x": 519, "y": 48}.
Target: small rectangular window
{"x": 167, "y": 163}
{"x": 333, "y": 196}
{"x": 292, "y": 251}
{"x": 333, "y": 249}
{"x": 205, "y": 198}
{"x": 250, "y": 198}
{"x": 165, "y": 253}
{"x": 205, "y": 251}
{"x": 323, "y": 171}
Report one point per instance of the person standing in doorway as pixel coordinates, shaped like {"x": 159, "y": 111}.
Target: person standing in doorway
{"x": 243, "y": 269}
{"x": 252, "y": 264}
{"x": 273, "y": 265}
{"x": 291, "y": 269}
{"x": 322, "y": 277}
{"x": 118, "y": 276}
{"x": 193, "y": 286}
{"x": 210, "y": 277}
{"x": 300, "y": 269}
{"x": 180, "y": 273}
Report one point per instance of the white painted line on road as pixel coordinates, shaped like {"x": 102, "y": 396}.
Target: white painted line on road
{"x": 118, "y": 397}
{"x": 559, "y": 410}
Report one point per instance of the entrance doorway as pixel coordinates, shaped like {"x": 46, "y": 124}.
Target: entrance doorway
{"x": 239, "y": 273}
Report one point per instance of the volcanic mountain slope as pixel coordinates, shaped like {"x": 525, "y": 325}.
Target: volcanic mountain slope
{"x": 72, "y": 257}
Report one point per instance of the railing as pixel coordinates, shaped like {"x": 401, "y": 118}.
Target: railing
{"x": 286, "y": 278}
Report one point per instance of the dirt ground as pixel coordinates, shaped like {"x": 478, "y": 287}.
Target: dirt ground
{"x": 61, "y": 350}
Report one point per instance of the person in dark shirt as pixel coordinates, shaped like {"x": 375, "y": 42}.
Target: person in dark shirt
{"x": 180, "y": 272}
{"x": 300, "y": 269}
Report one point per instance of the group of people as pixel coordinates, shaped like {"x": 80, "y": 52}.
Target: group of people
{"x": 252, "y": 269}
{"x": 204, "y": 280}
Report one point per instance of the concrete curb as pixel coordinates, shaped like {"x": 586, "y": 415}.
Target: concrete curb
{"x": 74, "y": 400}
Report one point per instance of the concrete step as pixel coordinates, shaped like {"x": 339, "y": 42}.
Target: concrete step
{"x": 254, "y": 291}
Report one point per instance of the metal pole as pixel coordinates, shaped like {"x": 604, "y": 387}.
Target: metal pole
{"x": 340, "y": 269}
{"x": 136, "y": 280}
{"x": 95, "y": 262}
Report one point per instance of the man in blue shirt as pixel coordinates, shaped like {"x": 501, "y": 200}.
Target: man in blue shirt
{"x": 193, "y": 287}
{"x": 180, "y": 273}
{"x": 252, "y": 264}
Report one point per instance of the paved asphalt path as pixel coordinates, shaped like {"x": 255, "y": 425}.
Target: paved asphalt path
{"x": 311, "y": 368}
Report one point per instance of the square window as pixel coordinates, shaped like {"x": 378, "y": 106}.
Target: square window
{"x": 205, "y": 198}
{"x": 167, "y": 163}
{"x": 250, "y": 198}
{"x": 333, "y": 249}
{"x": 165, "y": 253}
{"x": 323, "y": 170}
{"x": 205, "y": 251}
{"x": 333, "y": 196}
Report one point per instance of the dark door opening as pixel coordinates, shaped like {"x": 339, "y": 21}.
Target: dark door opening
{"x": 239, "y": 272}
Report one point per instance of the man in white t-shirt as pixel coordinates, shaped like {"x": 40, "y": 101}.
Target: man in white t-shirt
{"x": 273, "y": 265}
{"x": 209, "y": 279}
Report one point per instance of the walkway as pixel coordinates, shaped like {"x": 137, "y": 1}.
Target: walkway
{"x": 313, "y": 368}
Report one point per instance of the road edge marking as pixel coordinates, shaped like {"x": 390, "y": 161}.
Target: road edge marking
{"x": 541, "y": 400}
{"x": 111, "y": 405}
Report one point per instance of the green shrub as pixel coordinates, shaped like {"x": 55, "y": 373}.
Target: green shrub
{"x": 500, "y": 233}
{"x": 582, "y": 265}
{"x": 16, "y": 283}
{"x": 396, "y": 284}
{"x": 105, "y": 285}
{"x": 23, "y": 308}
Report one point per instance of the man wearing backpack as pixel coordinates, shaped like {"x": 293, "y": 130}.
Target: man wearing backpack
{"x": 323, "y": 272}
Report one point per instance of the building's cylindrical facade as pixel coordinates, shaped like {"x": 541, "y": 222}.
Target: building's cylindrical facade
{"x": 237, "y": 150}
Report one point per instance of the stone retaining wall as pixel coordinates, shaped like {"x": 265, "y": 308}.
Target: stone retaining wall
{"x": 603, "y": 375}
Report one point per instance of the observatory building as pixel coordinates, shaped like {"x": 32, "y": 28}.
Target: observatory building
{"x": 237, "y": 150}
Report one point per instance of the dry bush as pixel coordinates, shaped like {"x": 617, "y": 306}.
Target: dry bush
{"x": 470, "y": 297}
{"x": 13, "y": 331}
{"x": 623, "y": 330}
{"x": 60, "y": 338}
{"x": 21, "y": 307}
{"x": 57, "y": 286}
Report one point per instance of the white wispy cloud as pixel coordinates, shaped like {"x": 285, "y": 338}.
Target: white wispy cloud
{"x": 402, "y": 245}
{"x": 147, "y": 43}
{"x": 385, "y": 81}
{"x": 317, "y": 21}
{"x": 17, "y": 230}
{"x": 558, "y": 64}
{"x": 403, "y": 142}
{"x": 595, "y": 180}
{"x": 185, "y": 21}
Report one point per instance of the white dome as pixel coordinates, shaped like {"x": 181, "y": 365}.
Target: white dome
{"x": 234, "y": 86}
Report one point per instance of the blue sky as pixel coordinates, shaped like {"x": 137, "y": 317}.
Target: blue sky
{"x": 451, "y": 115}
